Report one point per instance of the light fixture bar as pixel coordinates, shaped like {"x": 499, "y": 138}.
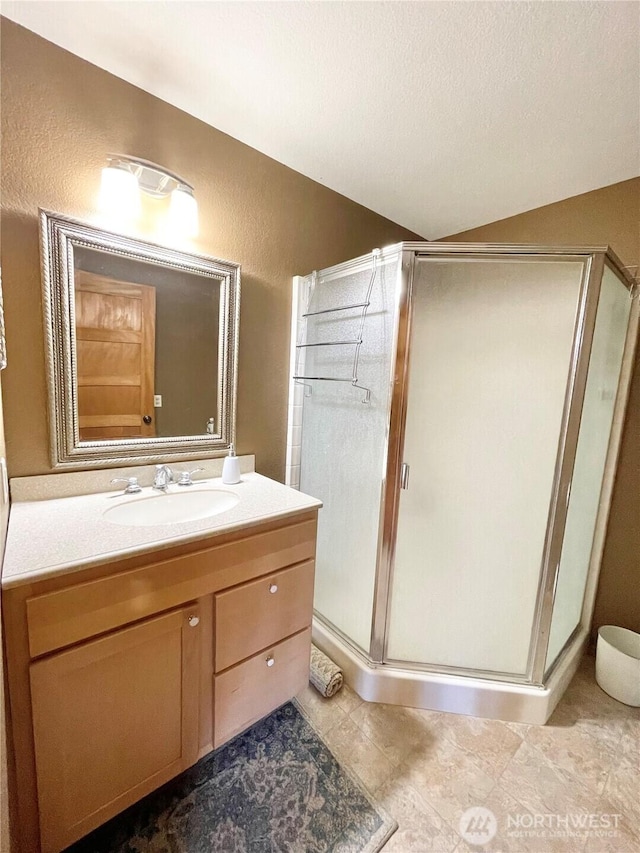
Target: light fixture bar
{"x": 152, "y": 179}
{"x": 125, "y": 177}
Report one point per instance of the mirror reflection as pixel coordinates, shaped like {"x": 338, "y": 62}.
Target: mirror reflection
{"x": 147, "y": 341}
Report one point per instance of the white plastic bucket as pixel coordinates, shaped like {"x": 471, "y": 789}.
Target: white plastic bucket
{"x": 618, "y": 664}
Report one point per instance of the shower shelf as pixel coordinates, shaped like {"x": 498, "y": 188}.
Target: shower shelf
{"x": 328, "y": 378}
{"x": 354, "y": 382}
{"x": 329, "y": 344}
{"x": 340, "y": 308}
{"x": 302, "y": 379}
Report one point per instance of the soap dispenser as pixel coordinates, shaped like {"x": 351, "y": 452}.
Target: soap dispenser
{"x": 231, "y": 468}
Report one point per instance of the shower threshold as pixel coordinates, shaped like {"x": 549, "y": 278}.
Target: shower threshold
{"x": 457, "y": 694}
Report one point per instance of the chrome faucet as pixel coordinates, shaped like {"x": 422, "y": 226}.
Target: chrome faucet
{"x": 164, "y": 476}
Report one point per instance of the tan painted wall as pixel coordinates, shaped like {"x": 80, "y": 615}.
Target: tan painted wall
{"x": 6, "y": 823}
{"x": 61, "y": 116}
{"x": 607, "y": 216}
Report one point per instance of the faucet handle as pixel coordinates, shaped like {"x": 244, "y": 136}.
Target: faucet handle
{"x": 133, "y": 487}
{"x": 185, "y": 477}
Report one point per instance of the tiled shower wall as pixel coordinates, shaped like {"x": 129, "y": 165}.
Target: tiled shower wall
{"x": 296, "y": 391}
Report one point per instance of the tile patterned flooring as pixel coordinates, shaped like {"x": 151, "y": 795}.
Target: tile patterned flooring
{"x": 427, "y": 768}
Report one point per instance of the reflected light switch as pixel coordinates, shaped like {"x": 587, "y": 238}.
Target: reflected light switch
{"x": 157, "y": 401}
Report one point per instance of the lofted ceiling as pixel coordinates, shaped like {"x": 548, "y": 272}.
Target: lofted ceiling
{"x": 440, "y": 116}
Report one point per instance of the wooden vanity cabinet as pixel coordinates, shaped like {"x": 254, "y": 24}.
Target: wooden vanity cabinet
{"x": 121, "y": 676}
{"x": 113, "y": 719}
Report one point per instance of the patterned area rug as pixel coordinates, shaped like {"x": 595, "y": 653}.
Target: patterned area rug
{"x": 274, "y": 789}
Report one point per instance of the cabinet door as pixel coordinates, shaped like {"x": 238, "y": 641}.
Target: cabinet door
{"x": 113, "y": 719}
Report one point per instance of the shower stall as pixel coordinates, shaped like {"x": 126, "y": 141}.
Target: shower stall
{"x": 458, "y": 409}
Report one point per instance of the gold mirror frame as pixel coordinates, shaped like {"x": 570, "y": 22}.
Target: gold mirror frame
{"x": 59, "y": 236}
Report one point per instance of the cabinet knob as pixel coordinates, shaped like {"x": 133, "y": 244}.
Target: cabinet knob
{"x": 271, "y": 660}
{"x": 273, "y": 588}
{"x": 193, "y": 621}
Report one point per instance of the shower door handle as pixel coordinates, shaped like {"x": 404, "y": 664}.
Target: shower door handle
{"x": 404, "y": 476}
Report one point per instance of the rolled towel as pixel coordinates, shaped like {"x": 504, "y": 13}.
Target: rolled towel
{"x": 325, "y": 675}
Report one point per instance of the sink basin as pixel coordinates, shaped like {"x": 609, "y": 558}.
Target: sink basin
{"x": 172, "y": 508}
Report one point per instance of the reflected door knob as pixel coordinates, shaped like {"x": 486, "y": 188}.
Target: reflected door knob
{"x": 273, "y": 588}
{"x": 193, "y": 621}
{"x": 270, "y": 660}
{"x": 147, "y": 419}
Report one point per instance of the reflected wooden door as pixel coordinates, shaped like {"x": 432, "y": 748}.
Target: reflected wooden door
{"x": 115, "y": 341}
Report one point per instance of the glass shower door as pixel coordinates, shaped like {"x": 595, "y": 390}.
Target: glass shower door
{"x": 490, "y": 351}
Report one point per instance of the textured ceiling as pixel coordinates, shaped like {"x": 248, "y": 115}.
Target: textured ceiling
{"x": 439, "y": 115}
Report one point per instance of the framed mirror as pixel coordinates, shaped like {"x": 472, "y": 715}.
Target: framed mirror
{"x": 141, "y": 345}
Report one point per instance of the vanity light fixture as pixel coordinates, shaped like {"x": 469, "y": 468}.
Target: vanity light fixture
{"x": 183, "y": 211}
{"x": 124, "y": 178}
{"x": 119, "y": 193}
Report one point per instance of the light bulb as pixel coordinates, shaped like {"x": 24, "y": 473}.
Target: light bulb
{"x": 183, "y": 213}
{"x": 119, "y": 193}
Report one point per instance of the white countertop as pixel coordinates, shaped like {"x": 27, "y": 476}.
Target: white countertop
{"x": 52, "y": 537}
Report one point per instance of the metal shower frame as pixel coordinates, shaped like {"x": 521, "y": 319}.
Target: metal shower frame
{"x": 593, "y": 260}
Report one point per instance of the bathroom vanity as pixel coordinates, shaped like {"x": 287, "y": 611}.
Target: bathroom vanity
{"x": 134, "y": 651}
{"x": 144, "y": 629}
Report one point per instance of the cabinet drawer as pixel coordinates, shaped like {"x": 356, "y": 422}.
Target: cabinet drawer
{"x": 257, "y": 614}
{"x": 247, "y": 692}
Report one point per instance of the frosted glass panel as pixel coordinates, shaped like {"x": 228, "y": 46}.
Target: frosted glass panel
{"x": 490, "y": 353}
{"x": 605, "y": 362}
{"x": 344, "y": 440}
